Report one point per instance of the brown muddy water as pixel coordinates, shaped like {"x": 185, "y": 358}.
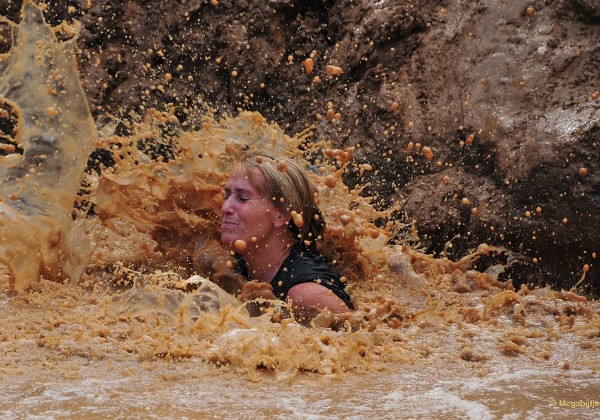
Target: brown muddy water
{"x": 99, "y": 318}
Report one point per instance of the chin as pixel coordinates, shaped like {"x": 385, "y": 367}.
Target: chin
{"x": 228, "y": 239}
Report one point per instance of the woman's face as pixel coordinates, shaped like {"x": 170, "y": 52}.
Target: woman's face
{"x": 247, "y": 215}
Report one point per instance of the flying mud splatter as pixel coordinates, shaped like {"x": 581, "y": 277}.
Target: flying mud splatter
{"x": 41, "y": 93}
{"x": 153, "y": 223}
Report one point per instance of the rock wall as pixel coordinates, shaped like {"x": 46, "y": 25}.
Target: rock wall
{"x": 505, "y": 94}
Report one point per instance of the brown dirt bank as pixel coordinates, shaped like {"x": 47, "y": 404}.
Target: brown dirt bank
{"x": 505, "y": 93}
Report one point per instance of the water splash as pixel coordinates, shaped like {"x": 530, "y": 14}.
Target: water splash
{"x": 427, "y": 314}
{"x": 55, "y": 130}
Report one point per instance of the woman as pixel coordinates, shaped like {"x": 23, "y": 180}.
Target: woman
{"x": 270, "y": 219}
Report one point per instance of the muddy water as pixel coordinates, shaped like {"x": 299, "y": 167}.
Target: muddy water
{"x": 64, "y": 356}
{"x": 132, "y": 336}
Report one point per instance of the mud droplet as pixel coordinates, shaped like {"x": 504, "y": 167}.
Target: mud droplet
{"x": 465, "y": 201}
{"x": 427, "y": 152}
{"x": 530, "y": 10}
{"x": 446, "y": 179}
{"x": 10, "y": 161}
{"x": 234, "y": 73}
{"x": 334, "y": 70}
{"x": 583, "y": 171}
{"x": 330, "y": 181}
{"x": 240, "y": 245}
{"x": 565, "y": 221}
{"x": 364, "y": 167}
{"x": 394, "y": 106}
{"x": 51, "y": 111}
{"x": 282, "y": 166}
{"x": 7, "y": 147}
{"x": 309, "y": 65}
{"x": 297, "y": 218}
{"x": 345, "y": 219}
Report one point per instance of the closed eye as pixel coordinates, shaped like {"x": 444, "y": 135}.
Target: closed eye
{"x": 238, "y": 196}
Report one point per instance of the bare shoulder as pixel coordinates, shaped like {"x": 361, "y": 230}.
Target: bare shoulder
{"x": 311, "y": 294}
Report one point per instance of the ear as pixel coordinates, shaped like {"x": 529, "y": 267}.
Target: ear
{"x": 280, "y": 219}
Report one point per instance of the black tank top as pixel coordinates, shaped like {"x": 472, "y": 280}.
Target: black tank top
{"x": 302, "y": 266}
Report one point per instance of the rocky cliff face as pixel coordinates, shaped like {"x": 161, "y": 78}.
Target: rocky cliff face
{"x": 479, "y": 118}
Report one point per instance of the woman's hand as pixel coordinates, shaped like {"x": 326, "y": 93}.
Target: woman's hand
{"x": 258, "y": 296}
{"x": 256, "y": 290}
{"x": 230, "y": 281}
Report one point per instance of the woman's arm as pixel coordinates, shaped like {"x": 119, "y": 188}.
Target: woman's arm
{"x": 313, "y": 297}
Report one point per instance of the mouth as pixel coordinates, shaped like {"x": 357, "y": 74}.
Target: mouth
{"x": 228, "y": 224}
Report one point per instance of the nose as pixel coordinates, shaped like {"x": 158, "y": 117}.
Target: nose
{"x": 227, "y": 206}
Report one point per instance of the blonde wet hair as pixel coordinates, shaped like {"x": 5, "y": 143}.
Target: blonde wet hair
{"x": 287, "y": 184}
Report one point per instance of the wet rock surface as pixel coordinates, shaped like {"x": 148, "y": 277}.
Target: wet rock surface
{"x": 505, "y": 94}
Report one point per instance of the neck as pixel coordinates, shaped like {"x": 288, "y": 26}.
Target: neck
{"x": 263, "y": 262}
